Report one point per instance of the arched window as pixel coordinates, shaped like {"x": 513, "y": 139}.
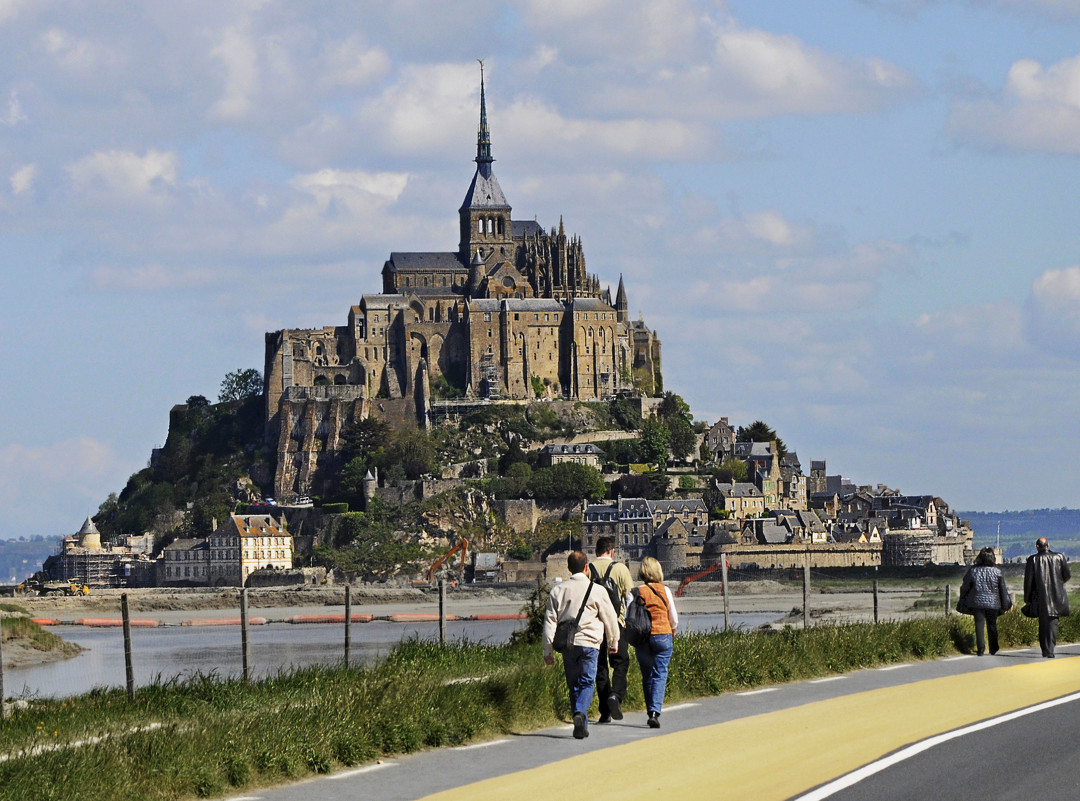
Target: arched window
{"x": 479, "y": 225}
{"x": 489, "y": 226}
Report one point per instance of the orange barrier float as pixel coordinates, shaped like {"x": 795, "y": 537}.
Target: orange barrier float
{"x": 419, "y": 617}
{"x": 116, "y": 621}
{"x": 358, "y": 618}
{"x": 45, "y": 621}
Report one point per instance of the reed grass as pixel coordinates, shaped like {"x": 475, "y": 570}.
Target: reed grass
{"x": 213, "y": 735}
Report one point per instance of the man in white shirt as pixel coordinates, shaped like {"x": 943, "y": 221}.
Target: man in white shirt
{"x": 597, "y": 623}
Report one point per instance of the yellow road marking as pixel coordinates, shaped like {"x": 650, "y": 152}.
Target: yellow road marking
{"x": 777, "y": 755}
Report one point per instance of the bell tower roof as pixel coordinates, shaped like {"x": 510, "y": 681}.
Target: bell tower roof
{"x": 484, "y": 191}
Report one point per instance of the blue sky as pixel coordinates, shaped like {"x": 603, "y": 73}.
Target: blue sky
{"x": 856, "y": 221}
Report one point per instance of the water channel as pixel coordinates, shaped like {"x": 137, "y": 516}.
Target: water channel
{"x": 171, "y": 652}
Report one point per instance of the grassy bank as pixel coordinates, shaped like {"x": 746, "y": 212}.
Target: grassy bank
{"x": 210, "y": 737}
{"x": 27, "y": 633}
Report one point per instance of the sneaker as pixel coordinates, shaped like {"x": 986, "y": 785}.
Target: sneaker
{"x": 654, "y": 720}
{"x": 604, "y": 719}
{"x": 581, "y": 726}
{"x": 614, "y": 707}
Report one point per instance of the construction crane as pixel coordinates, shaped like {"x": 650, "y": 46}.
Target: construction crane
{"x": 696, "y": 576}
{"x": 461, "y": 545}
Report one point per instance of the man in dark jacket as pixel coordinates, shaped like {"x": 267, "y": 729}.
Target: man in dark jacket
{"x": 1044, "y": 588}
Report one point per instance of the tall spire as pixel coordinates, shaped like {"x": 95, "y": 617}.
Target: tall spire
{"x": 483, "y": 137}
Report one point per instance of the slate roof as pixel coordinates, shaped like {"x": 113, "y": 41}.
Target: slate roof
{"x": 587, "y": 448}
{"x": 423, "y": 262}
{"x": 484, "y": 193}
{"x": 517, "y": 305}
{"x": 519, "y": 229}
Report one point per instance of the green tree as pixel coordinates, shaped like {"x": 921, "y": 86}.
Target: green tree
{"x": 625, "y": 413}
{"x": 413, "y": 450}
{"x": 759, "y": 431}
{"x": 682, "y": 437}
{"x": 731, "y": 470}
{"x": 240, "y": 385}
{"x": 567, "y": 480}
{"x": 655, "y": 438}
{"x": 365, "y": 439}
{"x": 197, "y": 402}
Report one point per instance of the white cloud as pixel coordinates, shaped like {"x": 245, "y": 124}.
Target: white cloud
{"x": 14, "y": 113}
{"x": 124, "y": 174}
{"x": 350, "y": 63}
{"x": 1053, "y": 310}
{"x": 76, "y": 54}
{"x": 23, "y": 178}
{"x": 237, "y": 50}
{"x": 358, "y": 191}
{"x": 10, "y": 8}
{"x": 1038, "y": 110}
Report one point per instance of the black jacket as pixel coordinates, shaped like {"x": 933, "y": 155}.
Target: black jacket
{"x": 1044, "y": 583}
{"x": 984, "y": 588}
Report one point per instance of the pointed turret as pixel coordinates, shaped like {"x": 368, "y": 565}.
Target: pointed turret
{"x": 621, "y": 305}
{"x": 484, "y": 214}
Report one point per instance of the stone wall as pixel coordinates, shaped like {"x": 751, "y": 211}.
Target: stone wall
{"x": 820, "y": 555}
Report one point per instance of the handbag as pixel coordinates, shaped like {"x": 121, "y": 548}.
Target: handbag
{"x": 963, "y": 608}
{"x": 1029, "y": 610}
{"x": 566, "y": 630}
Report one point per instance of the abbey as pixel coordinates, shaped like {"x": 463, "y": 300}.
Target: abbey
{"x": 512, "y": 314}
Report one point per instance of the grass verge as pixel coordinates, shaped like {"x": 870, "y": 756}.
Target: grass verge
{"x": 212, "y": 736}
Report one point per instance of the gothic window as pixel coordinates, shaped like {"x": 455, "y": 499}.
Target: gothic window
{"x": 487, "y": 317}
{"x": 501, "y": 224}
{"x": 489, "y": 226}
{"x": 479, "y": 226}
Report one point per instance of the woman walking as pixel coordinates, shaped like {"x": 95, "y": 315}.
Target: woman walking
{"x": 985, "y": 593}
{"x": 654, "y": 655}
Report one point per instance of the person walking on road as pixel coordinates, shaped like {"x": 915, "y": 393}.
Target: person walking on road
{"x": 985, "y": 593}
{"x": 611, "y": 666}
{"x": 592, "y": 621}
{"x": 654, "y": 656}
{"x": 1044, "y": 588}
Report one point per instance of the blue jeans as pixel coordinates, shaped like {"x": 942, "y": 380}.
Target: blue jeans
{"x": 653, "y": 659}
{"x": 579, "y": 665}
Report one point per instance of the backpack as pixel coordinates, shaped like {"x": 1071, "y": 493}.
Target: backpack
{"x": 639, "y": 619}
{"x": 608, "y": 583}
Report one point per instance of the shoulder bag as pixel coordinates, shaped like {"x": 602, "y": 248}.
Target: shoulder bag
{"x": 566, "y": 630}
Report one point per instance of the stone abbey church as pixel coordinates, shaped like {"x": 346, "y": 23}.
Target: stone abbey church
{"x": 511, "y": 314}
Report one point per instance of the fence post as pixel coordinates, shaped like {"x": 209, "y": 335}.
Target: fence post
{"x": 806, "y": 594}
{"x": 724, "y": 590}
{"x": 3, "y": 709}
{"x": 948, "y": 599}
{"x": 442, "y": 611}
{"x": 244, "y": 645}
{"x": 129, "y": 668}
{"x": 348, "y": 624}
{"x": 875, "y": 601}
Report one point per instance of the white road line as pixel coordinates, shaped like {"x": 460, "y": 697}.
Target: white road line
{"x": 894, "y": 667}
{"x": 348, "y": 774}
{"x": 479, "y": 745}
{"x": 957, "y": 658}
{"x": 828, "y": 678}
{"x": 866, "y": 771}
{"x": 679, "y": 706}
{"x": 758, "y": 692}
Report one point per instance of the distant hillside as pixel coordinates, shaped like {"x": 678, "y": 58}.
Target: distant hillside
{"x": 1019, "y": 530}
{"x": 21, "y": 558}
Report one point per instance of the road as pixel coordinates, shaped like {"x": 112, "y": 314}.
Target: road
{"x": 775, "y": 743}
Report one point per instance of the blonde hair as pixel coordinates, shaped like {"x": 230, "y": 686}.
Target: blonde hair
{"x": 650, "y": 570}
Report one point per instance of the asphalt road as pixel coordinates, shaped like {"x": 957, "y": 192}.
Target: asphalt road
{"x": 783, "y": 742}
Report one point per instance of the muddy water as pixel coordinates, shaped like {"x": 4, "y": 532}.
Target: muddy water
{"x": 181, "y": 652}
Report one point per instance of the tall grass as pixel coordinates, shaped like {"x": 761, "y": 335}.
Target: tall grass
{"x": 213, "y": 735}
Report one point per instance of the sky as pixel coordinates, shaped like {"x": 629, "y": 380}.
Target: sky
{"x": 855, "y": 220}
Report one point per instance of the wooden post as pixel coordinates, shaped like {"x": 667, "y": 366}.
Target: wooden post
{"x": 724, "y": 589}
{"x": 128, "y": 665}
{"x": 875, "y": 601}
{"x": 948, "y": 599}
{"x": 348, "y": 624}
{"x": 244, "y": 644}
{"x": 442, "y": 611}
{"x": 806, "y": 593}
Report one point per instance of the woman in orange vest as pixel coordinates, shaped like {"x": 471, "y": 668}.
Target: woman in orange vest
{"x": 654, "y": 656}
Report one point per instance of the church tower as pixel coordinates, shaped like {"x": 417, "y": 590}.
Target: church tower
{"x": 484, "y": 214}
